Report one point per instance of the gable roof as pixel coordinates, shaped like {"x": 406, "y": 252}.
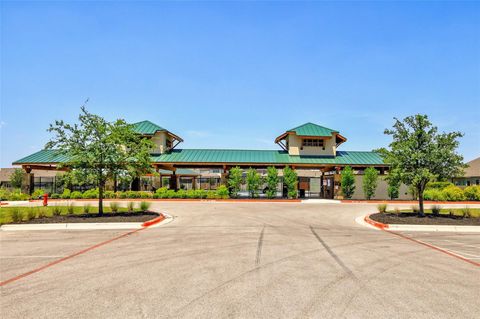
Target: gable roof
{"x": 312, "y": 129}
{"x": 147, "y": 128}
{"x": 473, "y": 169}
{"x": 208, "y": 156}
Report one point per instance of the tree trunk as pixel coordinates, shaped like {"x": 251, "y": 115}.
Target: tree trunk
{"x": 100, "y": 198}
{"x": 421, "y": 212}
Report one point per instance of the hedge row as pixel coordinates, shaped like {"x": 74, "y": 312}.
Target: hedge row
{"x": 452, "y": 193}
{"x": 221, "y": 192}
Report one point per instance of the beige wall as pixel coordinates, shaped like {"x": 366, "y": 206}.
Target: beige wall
{"x": 295, "y": 145}
{"x": 381, "y": 192}
{"x": 160, "y": 141}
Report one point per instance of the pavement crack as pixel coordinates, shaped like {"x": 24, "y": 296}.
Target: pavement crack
{"x": 331, "y": 253}
{"x": 259, "y": 247}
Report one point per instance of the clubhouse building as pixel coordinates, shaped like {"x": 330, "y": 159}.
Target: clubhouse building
{"x": 314, "y": 151}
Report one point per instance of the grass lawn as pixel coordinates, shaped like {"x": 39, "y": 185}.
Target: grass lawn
{"x": 28, "y": 213}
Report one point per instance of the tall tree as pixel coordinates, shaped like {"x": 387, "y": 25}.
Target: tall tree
{"x": 16, "y": 178}
{"x": 420, "y": 154}
{"x": 98, "y": 150}
{"x": 253, "y": 182}
{"x": 348, "y": 182}
{"x": 234, "y": 181}
{"x": 370, "y": 181}
{"x": 272, "y": 181}
{"x": 291, "y": 180}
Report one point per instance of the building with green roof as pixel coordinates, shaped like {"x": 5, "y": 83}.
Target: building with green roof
{"x": 308, "y": 147}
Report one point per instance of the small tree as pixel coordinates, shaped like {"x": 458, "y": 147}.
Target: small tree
{"x": 16, "y": 179}
{"x": 348, "y": 182}
{"x": 253, "y": 182}
{"x": 272, "y": 181}
{"x": 291, "y": 180}
{"x": 393, "y": 179}
{"x": 420, "y": 154}
{"x": 98, "y": 150}
{"x": 370, "y": 181}
{"x": 234, "y": 181}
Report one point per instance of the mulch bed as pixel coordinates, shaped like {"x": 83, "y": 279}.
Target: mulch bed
{"x": 94, "y": 218}
{"x": 413, "y": 219}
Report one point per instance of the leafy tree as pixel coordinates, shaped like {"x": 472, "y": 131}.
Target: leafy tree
{"x": 16, "y": 179}
{"x": 291, "y": 180}
{"x": 394, "y": 181}
{"x": 97, "y": 149}
{"x": 234, "y": 181}
{"x": 420, "y": 154}
{"x": 348, "y": 182}
{"x": 370, "y": 181}
{"x": 272, "y": 181}
{"x": 253, "y": 182}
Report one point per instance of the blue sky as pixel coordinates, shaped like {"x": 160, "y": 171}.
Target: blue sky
{"x": 236, "y": 75}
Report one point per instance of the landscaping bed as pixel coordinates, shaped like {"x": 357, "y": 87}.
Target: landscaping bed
{"x": 137, "y": 217}
{"x": 412, "y": 218}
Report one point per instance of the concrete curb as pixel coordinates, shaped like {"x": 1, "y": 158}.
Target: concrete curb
{"x": 156, "y": 222}
{"x": 430, "y": 228}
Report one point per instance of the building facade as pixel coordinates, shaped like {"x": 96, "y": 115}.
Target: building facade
{"x": 312, "y": 150}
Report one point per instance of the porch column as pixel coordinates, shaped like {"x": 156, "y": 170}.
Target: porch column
{"x": 173, "y": 180}
{"x": 28, "y": 181}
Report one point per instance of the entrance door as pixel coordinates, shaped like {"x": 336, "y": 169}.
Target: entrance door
{"x": 327, "y": 187}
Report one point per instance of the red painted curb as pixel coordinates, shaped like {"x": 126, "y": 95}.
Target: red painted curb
{"x": 229, "y": 200}
{"x": 361, "y": 201}
{"x": 374, "y": 223}
{"x": 153, "y": 221}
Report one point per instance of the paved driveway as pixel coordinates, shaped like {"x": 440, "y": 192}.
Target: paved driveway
{"x": 249, "y": 260}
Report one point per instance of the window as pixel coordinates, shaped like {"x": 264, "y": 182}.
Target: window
{"x": 315, "y": 142}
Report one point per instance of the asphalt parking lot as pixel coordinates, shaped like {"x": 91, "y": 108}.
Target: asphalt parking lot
{"x": 248, "y": 260}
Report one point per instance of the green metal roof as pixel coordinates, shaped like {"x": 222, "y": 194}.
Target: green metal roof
{"x": 311, "y": 129}
{"x": 147, "y": 128}
{"x": 230, "y": 156}
{"x": 43, "y": 156}
{"x": 265, "y": 157}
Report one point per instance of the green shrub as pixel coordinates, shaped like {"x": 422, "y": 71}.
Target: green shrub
{"x": 200, "y": 193}
{"x": 55, "y": 196}
{"x": 109, "y": 194}
{"x": 436, "y": 210}
{"x": 114, "y": 206}
{"x": 144, "y": 206}
{"x": 234, "y": 180}
{"x": 348, "y": 182}
{"x": 56, "y": 210}
{"x": 76, "y": 195}
{"x": 146, "y": 195}
{"x": 86, "y": 208}
{"x": 121, "y": 195}
{"x": 130, "y": 207}
{"x": 161, "y": 192}
{"x": 132, "y": 194}
{"x": 272, "y": 182}
{"x": 370, "y": 181}
{"x": 290, "y": 179}
{"x": 438, "y": 185}
{"x": 31, "y": 214}
{"x": 472, "y": 192}
{"x": 222, "y": 192}
{"x": 42, "y": 212}
{"x": 181, "y": 194}
{"x": 453, "y": 193}
{"x": 211, "y": 194}
{"x": 191, "y": 193}
{"x": 253, "y": 182}
{"x": 38, "y": 193}
{"x": 434, "y": 194}
{"x": 466, "y": 212}
{"x": 70, "y": 209}
{"x": 382, "y": 208}
{"x": 16, "y": 215}
{"x": 90, "y": 193}
{"x": 14, "y": 195}
{"x": 66, "y": 193}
